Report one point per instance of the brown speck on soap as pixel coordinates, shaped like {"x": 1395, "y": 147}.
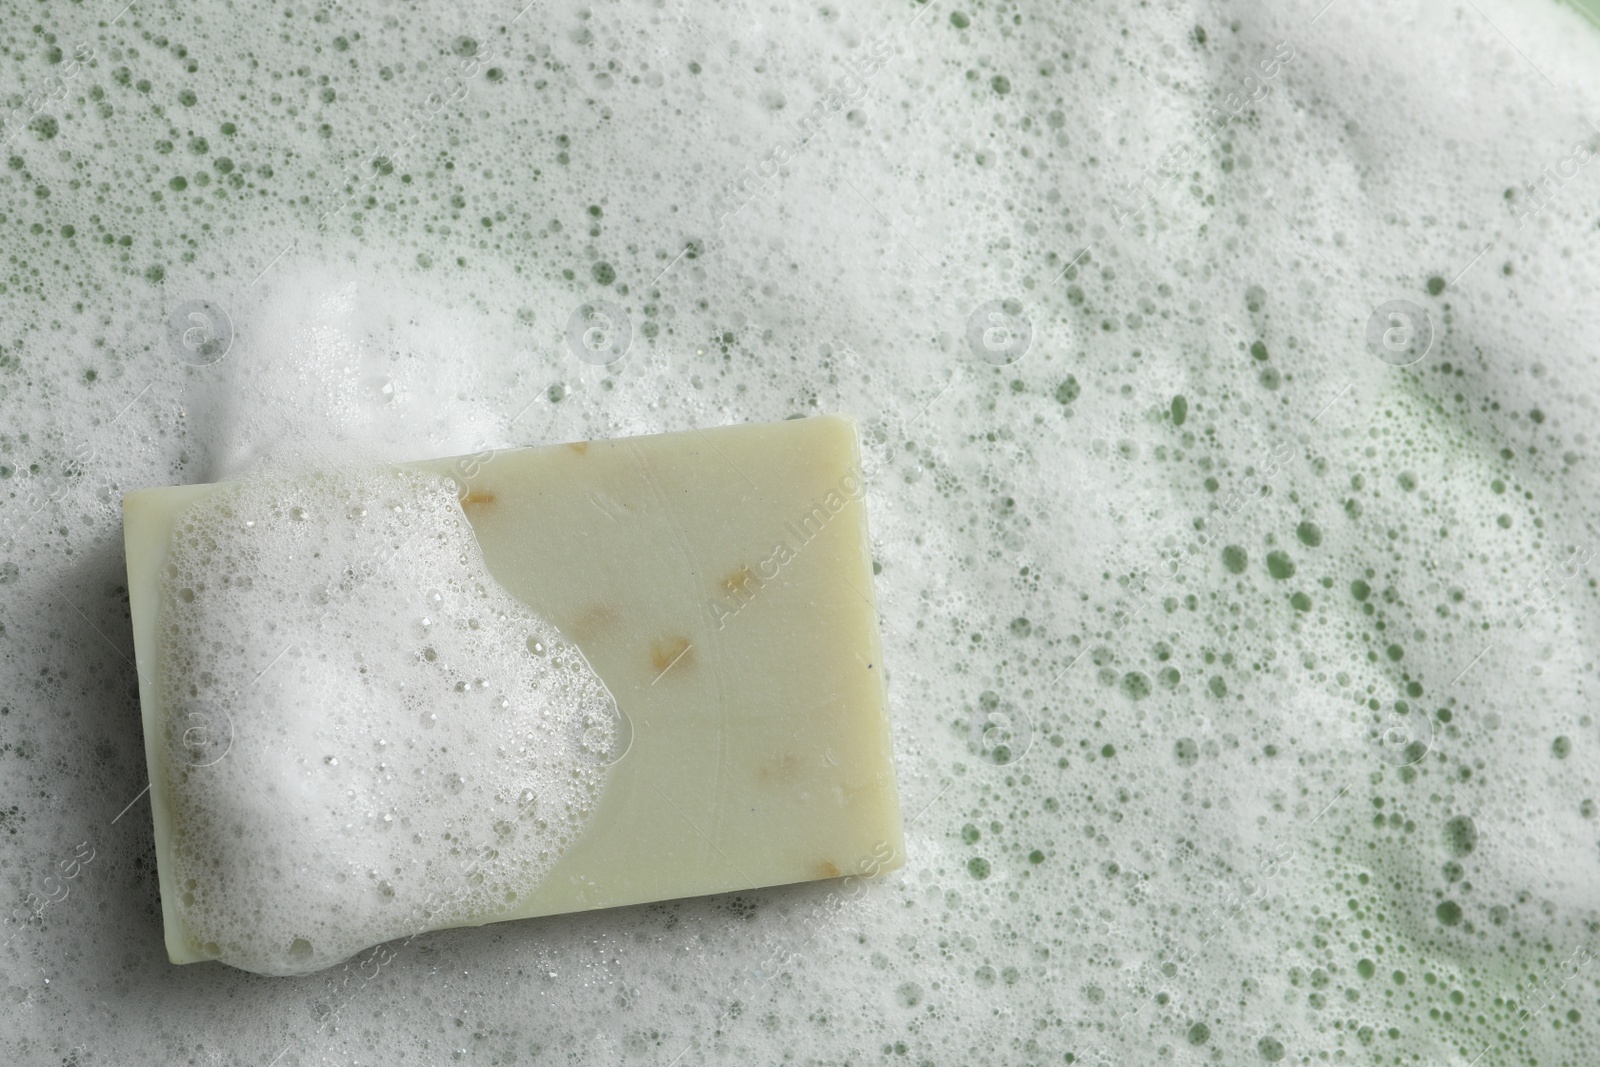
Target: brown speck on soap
{"x": 742, "y": 583}
{"x": 667, "y": 654}
{"x": 826, "y": 869}
{"x": 475, "y": 497}
{"x": 580, "y": 447}
{"x": 782, "y": 767}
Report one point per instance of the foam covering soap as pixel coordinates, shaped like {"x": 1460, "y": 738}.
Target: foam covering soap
{"x": 390, "y": 740}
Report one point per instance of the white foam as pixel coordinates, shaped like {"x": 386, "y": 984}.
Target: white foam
{"x": 366, "y": 736}
{"x": 330, "y": 370}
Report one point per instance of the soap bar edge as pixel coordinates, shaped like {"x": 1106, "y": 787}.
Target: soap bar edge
{"x": 141, "y": 527}
{"x": 897, "y": 859}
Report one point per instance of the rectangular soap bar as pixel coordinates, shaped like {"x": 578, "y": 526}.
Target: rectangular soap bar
{"x": 542, "y": 680}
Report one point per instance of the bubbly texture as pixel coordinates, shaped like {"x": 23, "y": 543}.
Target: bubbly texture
{"x": 366, "y": 736}
{"x": 1227, "y": 382}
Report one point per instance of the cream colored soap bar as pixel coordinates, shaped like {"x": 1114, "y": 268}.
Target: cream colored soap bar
{"x": 661, "y": 678}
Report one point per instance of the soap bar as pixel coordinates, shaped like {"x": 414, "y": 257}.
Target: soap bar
{"x": 378, "y": 702}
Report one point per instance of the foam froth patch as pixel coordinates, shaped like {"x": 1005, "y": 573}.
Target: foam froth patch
{"x": 366, "y": 736}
